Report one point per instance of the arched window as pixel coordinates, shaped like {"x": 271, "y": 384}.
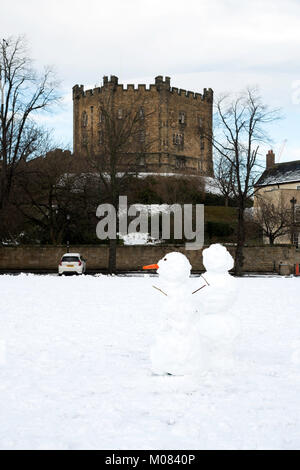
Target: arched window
{"x": 101, "y": 116}
{"x": 181, "y": 118}
{"x": 202, "y": 145}
{"x": 84, "y": 119}
{"x": 141, "y": 112}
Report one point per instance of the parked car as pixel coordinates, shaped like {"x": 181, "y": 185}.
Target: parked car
{"x": 72, "y": 263}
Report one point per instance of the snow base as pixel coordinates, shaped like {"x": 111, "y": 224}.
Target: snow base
{"x": 76, "y": 373}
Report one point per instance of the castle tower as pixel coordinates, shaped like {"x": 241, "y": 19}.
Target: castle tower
{"x": 176, "y": 123}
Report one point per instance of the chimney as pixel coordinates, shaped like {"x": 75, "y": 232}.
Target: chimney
{"x": 270, "y": 159}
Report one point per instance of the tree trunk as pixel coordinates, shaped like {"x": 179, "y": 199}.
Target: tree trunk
{"x": 112, "y": 256}
{"x": 3, "y": 191}
{"x": 239, "y": 253}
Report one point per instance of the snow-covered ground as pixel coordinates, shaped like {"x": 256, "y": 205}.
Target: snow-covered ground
{"x": 75, "y": 369}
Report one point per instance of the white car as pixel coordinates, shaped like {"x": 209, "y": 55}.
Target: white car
{"x": 72, "y": 263}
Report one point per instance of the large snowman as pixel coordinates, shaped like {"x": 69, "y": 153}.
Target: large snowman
{"x": 173, "y": 348}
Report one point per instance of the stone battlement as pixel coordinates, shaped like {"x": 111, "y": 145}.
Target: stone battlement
{"x": 160, "y": 85}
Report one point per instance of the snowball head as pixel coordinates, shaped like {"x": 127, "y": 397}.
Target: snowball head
{"x": 217, "y": 258}
{"x": 174, "y": 267}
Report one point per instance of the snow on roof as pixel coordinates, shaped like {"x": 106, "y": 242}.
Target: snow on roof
{"x": 280, "y": 173}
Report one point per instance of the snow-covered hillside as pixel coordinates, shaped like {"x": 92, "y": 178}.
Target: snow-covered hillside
{"x": 75, "y": 369}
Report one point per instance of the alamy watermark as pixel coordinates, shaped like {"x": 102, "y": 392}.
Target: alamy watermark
{"x": 115, "y": 222}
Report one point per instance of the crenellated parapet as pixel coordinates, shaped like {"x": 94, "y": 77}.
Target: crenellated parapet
{"x": 161, "y": 85}
{"x": 207, "y": 94}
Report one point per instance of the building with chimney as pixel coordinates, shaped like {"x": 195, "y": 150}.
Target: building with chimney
{"x": 176, "y": 123}
{"x": 279, "y": 184}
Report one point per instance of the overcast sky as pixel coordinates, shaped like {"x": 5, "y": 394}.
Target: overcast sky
{"x": 222, "y": 44}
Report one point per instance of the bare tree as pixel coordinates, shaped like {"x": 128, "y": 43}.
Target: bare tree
{"x": 225, "y": 177}
{"x": 237, "y": 140}
{"x": 24, "y": 94}
{"x": 122, "y": 152}
{"x": 273, "y": 218}
{"x": 45, "y": 194}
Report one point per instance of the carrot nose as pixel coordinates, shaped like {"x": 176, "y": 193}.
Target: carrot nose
{"x": 151, "y": 266}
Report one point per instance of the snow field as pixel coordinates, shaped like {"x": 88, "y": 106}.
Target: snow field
{"x": 75, "y": 369}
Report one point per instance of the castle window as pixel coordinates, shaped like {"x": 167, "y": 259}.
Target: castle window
{"x": 201, "y": 143}
{"x": 100, "y": 137}
{"x": 141, "y": 135}
{"x": 120, "y": 113}
{"x": 92, "y": 117}
{"x": 101, "y": 116}
{"x": 178, "y": 140}
{"x": 84, "y": 119}
{"x": 200, "y": 122}
{"x": 141, "y": 112}
{"x": 180, "y": 163}
{"x": 142, "y": 160}
{"x": 181, "y": 117}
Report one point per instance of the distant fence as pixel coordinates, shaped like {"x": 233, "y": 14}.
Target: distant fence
{"x": 132, "y": 258}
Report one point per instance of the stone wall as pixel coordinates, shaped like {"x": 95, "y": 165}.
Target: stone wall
{"x": 132, "y": 258}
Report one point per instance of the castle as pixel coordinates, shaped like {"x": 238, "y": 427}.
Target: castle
{"x": 177, "y": 122}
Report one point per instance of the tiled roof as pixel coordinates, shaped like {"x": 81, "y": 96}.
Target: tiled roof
{"x": 280, "y": 173}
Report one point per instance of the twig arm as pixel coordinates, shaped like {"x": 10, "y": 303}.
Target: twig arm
{"x": 157, "y": 288}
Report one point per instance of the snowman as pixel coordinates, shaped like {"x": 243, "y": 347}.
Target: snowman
{"x": 174, "y": 349}
{"x": 195, "y": 336}
{"x": 217, "y": 325}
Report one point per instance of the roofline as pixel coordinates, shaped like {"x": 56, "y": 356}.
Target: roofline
{"x": 286, "y": 163}
{"x": 276, "y": 184}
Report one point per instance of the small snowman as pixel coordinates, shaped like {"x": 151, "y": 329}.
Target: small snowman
{"x": 174, "y": 344}
{"x": 217, "y": 326}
